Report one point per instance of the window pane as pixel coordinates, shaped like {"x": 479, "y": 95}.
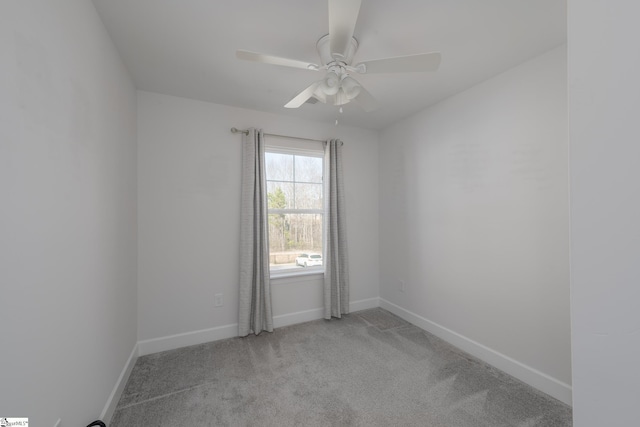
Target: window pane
{"x": 308, "y": 169}
{"x": 279, "y": 195}
{"x": 279, "y": 166}
{"x": 308, "y": 196}
{"x": 292, "y": 235}
{"x": 294, "y": 182}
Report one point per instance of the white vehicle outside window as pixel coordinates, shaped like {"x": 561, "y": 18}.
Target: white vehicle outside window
{"x": 309, "y": 260}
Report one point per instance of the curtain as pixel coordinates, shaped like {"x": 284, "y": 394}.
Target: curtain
{"x": 336, "y": 276}
{"x": 254, "y": 309}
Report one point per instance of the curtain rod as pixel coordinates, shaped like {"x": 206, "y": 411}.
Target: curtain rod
{"x": 246, "y": 132}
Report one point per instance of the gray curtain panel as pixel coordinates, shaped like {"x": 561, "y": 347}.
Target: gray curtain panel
{"x": 254, "y": 309}
{"x": 336, "y": 276}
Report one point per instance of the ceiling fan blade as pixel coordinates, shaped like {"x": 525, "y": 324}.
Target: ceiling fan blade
{"x": 275, "y": 60}
{"x": 402, "y": 64}
{"x": 303, "y": 96}
{"x": 366, "y": 100}
{"x": 343, "y": 15}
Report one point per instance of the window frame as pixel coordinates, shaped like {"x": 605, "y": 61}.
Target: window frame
{"x": 302, "y": 149}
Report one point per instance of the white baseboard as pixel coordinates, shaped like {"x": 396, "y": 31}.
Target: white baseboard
{"x": 527, "y": 374}
{"x": 364, "y": 304}
{"x": 298, "y": 317}
{"x": 318, "y": 313}
{"x": 185, "y": 339}
{"x": 114, "y": 397}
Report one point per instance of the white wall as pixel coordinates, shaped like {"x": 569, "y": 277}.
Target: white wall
{"x": 604, "y": 100}
{"x": 189, "y": 207}
{"x": 67, "y": 212}
{"x": 474, "y": 219}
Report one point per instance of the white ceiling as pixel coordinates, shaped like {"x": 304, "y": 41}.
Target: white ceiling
{"x": 187, "y": 48}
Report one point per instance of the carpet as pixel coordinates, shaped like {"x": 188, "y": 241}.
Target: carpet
{"x": 369, "y": 368}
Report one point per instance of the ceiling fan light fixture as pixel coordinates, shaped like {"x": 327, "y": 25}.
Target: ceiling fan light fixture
{"x": 351, "y": 87}
{"x": 341, "y": 98}
{"x": 331, "y": 83}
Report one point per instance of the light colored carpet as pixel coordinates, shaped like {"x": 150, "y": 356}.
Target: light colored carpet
{"x": 370, "y": 368}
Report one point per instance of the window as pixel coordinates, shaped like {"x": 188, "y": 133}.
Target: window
{"x": 295, "y": 208}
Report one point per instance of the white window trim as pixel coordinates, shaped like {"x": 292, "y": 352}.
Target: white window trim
{"x": 288, "y": 147}
{"x": 309, "y": 271}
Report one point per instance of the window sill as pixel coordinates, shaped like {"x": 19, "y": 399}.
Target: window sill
{"x": 306, "y": 274}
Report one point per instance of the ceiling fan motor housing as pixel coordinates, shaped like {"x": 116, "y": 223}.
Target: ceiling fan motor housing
{"x": 327, "y": 57}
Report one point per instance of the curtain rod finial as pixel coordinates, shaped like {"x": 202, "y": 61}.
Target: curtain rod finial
{"x": 236, "y": 130}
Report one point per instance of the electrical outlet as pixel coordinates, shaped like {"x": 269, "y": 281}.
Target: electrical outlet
{"x": 402, "y": 286}
{"x": 218, "y": 300}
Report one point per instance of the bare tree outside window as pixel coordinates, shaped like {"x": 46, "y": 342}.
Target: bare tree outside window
{"x": 295, "y": 207}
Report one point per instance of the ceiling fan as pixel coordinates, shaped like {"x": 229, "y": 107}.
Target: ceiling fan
{"x": 337, "y": 50}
